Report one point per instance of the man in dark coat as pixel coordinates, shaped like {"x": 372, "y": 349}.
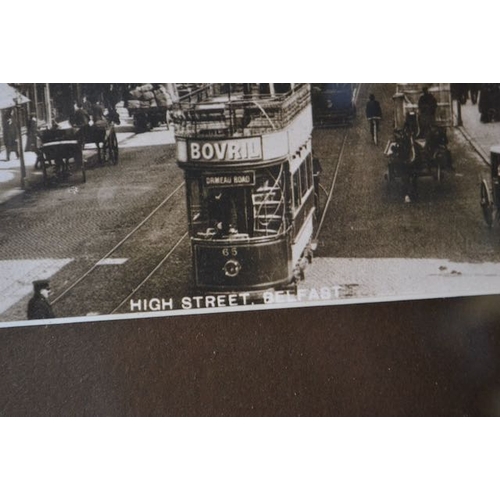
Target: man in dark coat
{"x": 81, "y": 117}
{"x": 427, "y": 106}
{"x": 373, "y": 112}
{"x": 10, "y": 135}
{"x": 38, "y": 306}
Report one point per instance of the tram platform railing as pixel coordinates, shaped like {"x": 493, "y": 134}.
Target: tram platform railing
{"x": 208, "y": 112}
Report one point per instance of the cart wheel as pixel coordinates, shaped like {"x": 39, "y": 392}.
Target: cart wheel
{"x": 113, "y": 148}
{"x": 79, "y": 163}
{"x": 486, "y": 204}
{"x": 439, "y": 173}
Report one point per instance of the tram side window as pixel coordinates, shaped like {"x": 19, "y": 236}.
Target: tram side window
{"x": 302, "y": 181}
{"x": 297, "y": 191}
{"x": 195, "y": 208}
{"x": 303, "y": 178}
{"x": 309, "y": 168}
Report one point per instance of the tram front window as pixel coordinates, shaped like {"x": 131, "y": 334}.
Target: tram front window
{"x": 227, "y": 212}
{"x": 253, "y": 210}
{"x": 219, "y": 212}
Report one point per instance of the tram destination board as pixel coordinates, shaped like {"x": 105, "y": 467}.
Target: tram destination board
{"x": 238, "y": 197}
{"x": 230, "y": 180}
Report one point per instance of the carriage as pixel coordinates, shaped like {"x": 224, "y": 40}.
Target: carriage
{"x": 415, "y": 151}
{"x": 490, "y": 189}
{"x": 61, "y": 151}
{"x": 60, "y": 154}
{"x": 148, "y": 105}
{"x": 411, "y": 157}
{"x": 146, "y": 119}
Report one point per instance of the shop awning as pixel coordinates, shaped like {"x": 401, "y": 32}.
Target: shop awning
{"x": 10, "y": 97}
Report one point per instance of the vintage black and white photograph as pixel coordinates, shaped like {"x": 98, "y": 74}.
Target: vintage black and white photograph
{"x": 141, "y": 199}
{"x": 248, "y": 250}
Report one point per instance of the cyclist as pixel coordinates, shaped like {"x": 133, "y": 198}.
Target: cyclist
{"x": 373, "y": 114}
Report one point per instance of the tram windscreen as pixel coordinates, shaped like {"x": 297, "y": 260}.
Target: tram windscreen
{"x": 253, "y": 210}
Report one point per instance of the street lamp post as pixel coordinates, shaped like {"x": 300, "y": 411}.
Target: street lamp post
{"x": 18, "y": 101}
{"x": 459, "y": 113}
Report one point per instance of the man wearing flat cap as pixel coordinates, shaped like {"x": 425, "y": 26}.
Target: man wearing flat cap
{"x": 38, "y": 306}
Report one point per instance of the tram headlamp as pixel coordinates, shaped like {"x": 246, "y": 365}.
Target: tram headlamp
{"x": 232, "y": 268}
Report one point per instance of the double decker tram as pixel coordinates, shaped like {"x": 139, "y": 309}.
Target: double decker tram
{"x": 247, "y": 158}
{"x": 333, "y": 104}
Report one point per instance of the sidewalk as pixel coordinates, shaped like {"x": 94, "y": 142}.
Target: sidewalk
{"x": 10, "y": 171}
{"x": 482, "y": 136}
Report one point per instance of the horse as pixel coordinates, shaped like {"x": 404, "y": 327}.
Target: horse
{"x": 98, "y": 134}
{"x": 404, "y": 159}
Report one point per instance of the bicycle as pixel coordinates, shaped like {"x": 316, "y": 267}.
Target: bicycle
{"x": 374, "y": 128}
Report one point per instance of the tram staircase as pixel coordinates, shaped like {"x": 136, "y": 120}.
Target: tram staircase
{"x": 269, "y": 209}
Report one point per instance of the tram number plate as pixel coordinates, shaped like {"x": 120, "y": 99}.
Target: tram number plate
{"x": 229, "y": 251}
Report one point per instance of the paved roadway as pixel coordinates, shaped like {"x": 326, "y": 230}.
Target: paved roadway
{"x": 386, "y": 359}
{"x": 374, "y": 245}
{"x": 67, "y": 229}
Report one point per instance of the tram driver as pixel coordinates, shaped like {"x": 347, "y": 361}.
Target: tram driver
{"x": 222, "y": 213}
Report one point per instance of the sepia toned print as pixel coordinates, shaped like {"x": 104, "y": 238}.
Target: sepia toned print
{"x": 127, "y": 200}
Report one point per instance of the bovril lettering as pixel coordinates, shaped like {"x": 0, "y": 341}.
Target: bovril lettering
{"x": 224, "y": 151}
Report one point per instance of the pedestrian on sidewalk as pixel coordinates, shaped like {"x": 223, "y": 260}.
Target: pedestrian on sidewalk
{"x": 10, "y": 135}
{"x": 31, "y": 138}
{"x": 39, "y": 306}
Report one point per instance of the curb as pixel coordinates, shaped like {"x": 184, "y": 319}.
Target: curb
{"x": 479, "y": 150}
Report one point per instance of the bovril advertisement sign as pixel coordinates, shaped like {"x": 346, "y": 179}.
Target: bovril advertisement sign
{"x": 225, "y": 151}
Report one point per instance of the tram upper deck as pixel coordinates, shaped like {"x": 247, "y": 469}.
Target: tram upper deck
{"x": 238, "y": 110}
{"x": 241, "y": 124}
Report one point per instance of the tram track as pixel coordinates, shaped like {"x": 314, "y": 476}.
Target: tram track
{"x": 98, "y": 264}
{"x": 329, "y": 192}
{"x": 135, "y": 289}
{"x": 148, "y": 277}
{"x": 338, "y": 164}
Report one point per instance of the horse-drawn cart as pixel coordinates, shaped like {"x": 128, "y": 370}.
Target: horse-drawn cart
{"x": 490, "y": 189}
{"x": 410, "y": 158}
{"x": 61, "y": 154}
{"x": 61, "y": 151}
{"x": 148, "y": 105}
{"x": 146, "y": 119}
